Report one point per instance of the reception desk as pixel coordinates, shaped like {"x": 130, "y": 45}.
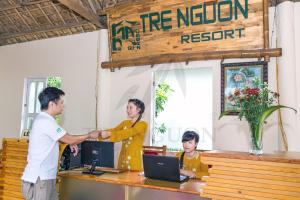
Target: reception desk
{"x": 238, "y": 175}
{"x": 127, "y": 185}
{"x": 233, "y": 175}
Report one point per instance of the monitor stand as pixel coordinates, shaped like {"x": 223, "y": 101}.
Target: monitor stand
{"x": 93, "y": 171}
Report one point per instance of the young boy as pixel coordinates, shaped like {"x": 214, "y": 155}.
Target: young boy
{"x": 190, "y": 164}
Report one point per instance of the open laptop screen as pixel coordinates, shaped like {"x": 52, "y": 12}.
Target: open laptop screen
{"x": 162, "y": 167}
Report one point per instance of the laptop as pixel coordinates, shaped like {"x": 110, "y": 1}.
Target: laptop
{"x": 162, "y": 168}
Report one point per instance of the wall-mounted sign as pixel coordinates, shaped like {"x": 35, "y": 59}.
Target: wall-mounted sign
{"x": 158, "y": 27}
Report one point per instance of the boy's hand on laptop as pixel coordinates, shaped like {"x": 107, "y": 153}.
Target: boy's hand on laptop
{"x": 94, "y": 134}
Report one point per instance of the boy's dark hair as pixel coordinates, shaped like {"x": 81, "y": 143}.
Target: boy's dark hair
{"x": 139, "y": 104}
{"x": 49, "y": 94}
{"x": 190, "y": 135}
{"x": 187, "y": 136}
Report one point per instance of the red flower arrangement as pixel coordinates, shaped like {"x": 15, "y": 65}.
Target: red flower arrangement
{"x": 255, "y": 105}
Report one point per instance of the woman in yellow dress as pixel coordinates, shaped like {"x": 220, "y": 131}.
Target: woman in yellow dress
{"x": 132, "y": 133}
{"x": 190, "y": 164}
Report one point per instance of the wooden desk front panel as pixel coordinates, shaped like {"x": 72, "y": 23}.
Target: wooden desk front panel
{"x": 128, "y": 185}
{"x": 72, "y": 189}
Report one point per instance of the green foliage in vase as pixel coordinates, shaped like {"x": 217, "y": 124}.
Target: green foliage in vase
{"x": 256, "y": 105}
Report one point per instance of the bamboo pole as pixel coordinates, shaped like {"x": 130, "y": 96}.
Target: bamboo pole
{"x": 186, "y": 57}
{"x": 266, "y": 26}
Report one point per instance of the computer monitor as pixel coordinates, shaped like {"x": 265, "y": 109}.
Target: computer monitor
{"x": 97, "y": 153}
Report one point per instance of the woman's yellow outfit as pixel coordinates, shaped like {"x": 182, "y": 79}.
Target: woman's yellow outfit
{"x": 194, "y": 164}
{"x": 132, "y": 138}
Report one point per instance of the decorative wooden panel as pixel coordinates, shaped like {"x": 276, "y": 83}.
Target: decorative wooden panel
{"x": 1, "y": 176}
{"x": 160, "y": 27}
{"x": 242, "y": 176}
{"x": 14, "y": 159}
{"x": 13, "y": 162}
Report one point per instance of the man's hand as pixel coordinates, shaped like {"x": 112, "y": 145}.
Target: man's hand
{"x": 105, "y": 134}
{"x": 74, "y": 149}
{"x": 94, "y": 134}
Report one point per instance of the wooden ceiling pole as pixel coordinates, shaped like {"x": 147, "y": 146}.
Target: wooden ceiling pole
{"x": 77, "y": 7}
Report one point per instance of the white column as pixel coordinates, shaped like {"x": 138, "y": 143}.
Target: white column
{"x": 297, "y": 65}
{"x": 104, "y": 94}
{"x": 287, "y": 71}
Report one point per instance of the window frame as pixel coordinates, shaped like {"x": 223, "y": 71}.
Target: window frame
{"x": 25, "y": 103}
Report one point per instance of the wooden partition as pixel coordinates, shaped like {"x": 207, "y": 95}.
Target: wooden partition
{"x": 1, "y": 176}
{"x": 14, "y": 158}
{"x": 236, "y": 175}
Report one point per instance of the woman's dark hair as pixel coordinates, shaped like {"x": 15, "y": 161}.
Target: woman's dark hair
{"x": 49, "y": 94}
{"x": 140, "y": 105}
{"x": 188, "y": 136}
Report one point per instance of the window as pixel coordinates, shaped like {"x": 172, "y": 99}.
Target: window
{"x": 183, "y": 101}
{"x": 31, "y": 104}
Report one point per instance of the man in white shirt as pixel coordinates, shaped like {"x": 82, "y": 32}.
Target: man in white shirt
{"x": 39, "y": 177}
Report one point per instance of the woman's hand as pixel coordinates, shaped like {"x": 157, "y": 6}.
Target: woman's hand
{"x": 188, "y": 173}
{"x": 105, "y": 134}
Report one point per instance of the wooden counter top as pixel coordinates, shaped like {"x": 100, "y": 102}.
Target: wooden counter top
{"x": 133, "y": 179}
{"x": 280, "y": 157}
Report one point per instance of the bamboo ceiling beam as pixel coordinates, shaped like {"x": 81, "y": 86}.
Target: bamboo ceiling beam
{"x": 92, "y": 5}
{"x": 77, "y": 7}
{"x": 186, "y": 57}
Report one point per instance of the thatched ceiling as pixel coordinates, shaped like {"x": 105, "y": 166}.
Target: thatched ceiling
{"x": 27, "y": 20}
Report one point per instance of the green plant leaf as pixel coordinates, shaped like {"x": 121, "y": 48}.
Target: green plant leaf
{"x": 265, "y": 115}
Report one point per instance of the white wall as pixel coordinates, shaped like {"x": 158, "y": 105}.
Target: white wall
{"x": 288, "y": 65}
{"x": 297, "y": 66}
{"x": 74, "y": 58}
{"x": 135, "y": 82}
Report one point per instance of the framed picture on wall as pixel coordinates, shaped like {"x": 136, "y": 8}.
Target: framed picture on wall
{"x": 239, "y": 75}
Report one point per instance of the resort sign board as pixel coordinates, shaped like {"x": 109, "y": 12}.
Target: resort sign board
{"x": 161, "y": 27}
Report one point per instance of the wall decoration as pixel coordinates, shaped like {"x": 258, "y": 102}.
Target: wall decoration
{"x": 236, "y": 76}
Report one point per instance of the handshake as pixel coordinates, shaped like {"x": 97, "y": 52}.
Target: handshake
{"x": 97, "y": 133}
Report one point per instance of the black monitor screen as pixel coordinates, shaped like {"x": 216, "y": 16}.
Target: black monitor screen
{"x": 102, "y": 153}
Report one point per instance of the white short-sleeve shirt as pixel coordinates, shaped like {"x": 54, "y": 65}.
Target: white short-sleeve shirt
{"x": 43, "y": 150}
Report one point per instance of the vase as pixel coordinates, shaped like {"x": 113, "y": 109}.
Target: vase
{"x": 256, "y": 144}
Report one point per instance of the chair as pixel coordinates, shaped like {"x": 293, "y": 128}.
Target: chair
{"x": 155, "y": 150}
